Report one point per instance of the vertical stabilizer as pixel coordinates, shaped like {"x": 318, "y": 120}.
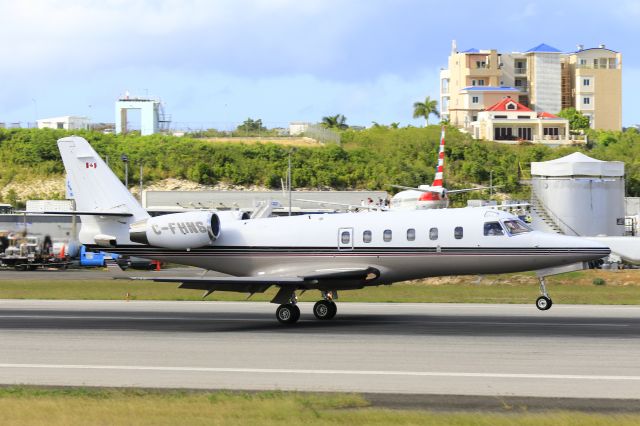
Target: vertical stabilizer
{"x": 96, "y": 188}
{"x": 439, "y": 177}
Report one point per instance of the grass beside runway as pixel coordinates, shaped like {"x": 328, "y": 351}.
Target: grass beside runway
{"x": 29, "y": 405}
{"x": 614, "y": 287}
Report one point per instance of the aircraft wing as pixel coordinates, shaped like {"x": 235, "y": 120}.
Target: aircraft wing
{"x": 479, "y": 188}
{"x": 348, "y": 206}
{"x": 319, "y": 279}
{"x": 435, "y": 191}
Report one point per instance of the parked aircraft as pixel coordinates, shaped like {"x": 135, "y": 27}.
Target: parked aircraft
{"x": 329, "y": 253}
{"x": 433, "y": 196}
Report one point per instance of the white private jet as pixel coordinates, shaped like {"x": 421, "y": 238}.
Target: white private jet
{"x": 433, "y": 196}
{"x": 329, "y": 252}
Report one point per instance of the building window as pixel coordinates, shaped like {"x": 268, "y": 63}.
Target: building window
{"x": 473, "y": 82}
{"x": 586, "y": 82}
{"x": 481, "y": 64}
{"x": 551, "y": 131}
{"x": 586, "y": 101}
{"x": 500, "y": 116}
{"x": 524, "y": 117}
{"x": 366, "y": 236}
{"x": 480, "y": 82}
{"x": 511, "y": 106}
{"x": 583, "y": 62}
{"x": 433, "y": 234}
{"x": 458, "y": 232}
{"x": 475, "y": 99}
{"x": 386, "y": 236}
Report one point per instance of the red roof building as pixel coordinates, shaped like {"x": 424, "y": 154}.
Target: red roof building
{"x": 509, "y": 121}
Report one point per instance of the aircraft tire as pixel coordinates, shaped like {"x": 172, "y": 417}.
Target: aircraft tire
{"x": 543, "y": 303}
{"x": 325, "y": 310}
{"x": 287, "y": 313}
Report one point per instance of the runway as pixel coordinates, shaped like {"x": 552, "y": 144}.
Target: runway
{"x": 446, "y": 349}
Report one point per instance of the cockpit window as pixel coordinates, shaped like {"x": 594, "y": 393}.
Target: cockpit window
{"x": 493, "y": 229}
{"x": 516, "y": 227}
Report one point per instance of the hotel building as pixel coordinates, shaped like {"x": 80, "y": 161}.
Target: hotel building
{"x": 542, "y": 78}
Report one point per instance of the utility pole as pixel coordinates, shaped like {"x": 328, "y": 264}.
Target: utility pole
{"x": 125, "y": 160}
{"x": 491, "y": 183}
{"x": 141, "y": 183}
{"x": 289, "y": 182}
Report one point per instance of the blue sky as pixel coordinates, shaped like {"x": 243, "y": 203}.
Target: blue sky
{"x": 215, "y": 63}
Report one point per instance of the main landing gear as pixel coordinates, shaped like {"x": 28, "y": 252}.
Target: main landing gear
{"x": 325, "y": 309}
{"x": 543, "y": 302}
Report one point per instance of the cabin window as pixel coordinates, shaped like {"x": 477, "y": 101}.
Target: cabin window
{"x": 493, "y": 229}
{"x": 516, "y": 227}
{"x": 386, "y": 236}
{"x": 345, "y": 237}
{"x": 433, "y": 234}
{"x": 457, "y": 233}
{"x": 411, "y": 234}
{"x": 366, "y": 236}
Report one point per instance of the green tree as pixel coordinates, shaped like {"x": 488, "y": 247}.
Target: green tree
{"x": 337, "y": 121}
{"x": 251, "y": 126}
{"x": 577, "y": 120}
{"x": 425, "y": 109}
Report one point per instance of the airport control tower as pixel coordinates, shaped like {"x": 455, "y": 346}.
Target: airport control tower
{"x": 152, "y": 116}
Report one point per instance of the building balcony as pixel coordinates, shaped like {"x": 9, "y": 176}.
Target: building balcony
{"x": 520, "y": 70}
{"x": 597, "y": 67}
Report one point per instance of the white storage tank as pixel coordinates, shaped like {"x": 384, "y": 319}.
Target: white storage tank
{"x": 582, "y": 195}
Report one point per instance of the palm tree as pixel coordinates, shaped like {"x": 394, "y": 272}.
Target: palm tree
{"x": 425, "y": 109}
{"x": 337, "y": 121}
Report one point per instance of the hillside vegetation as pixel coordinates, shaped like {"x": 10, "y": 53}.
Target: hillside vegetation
{"x": 368, "y": 159}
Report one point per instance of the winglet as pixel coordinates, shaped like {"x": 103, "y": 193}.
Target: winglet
{"x": 117, "y": 273}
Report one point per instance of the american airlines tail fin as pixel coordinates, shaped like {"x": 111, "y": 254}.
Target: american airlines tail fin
{"x": 96, "y": 189}
{"x": 439, "y": 177}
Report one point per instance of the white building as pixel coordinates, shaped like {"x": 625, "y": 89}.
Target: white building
{"x": 297, "y": 128}
{"x": 509, "y": 121}
{"x": 66, "y": 122}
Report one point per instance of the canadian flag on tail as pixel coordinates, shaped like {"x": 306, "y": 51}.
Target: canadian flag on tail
{"x": 91, "y": 165}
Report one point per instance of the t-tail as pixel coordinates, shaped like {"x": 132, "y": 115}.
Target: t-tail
{"x": 105, "y": 204}
{"x": 439, "y": 177}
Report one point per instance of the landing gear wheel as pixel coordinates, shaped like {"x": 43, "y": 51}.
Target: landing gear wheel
{"x": 543, "y": 303}
{"x": 325, "y": 309}
{"x": 288, "y": 313}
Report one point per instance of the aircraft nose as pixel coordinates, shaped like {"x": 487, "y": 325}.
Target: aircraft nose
{"x": 586, "y": 250}
{"x": 575, "y": 248}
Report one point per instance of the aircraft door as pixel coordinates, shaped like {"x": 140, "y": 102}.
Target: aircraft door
{"x": 345, "y": 239}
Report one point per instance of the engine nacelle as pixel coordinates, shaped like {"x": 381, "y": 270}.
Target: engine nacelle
{"x": 178, "y": 230}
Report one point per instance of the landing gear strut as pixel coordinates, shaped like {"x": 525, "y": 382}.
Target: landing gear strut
{"x": 543, "y": 302}
{"x": 326, "y": 308}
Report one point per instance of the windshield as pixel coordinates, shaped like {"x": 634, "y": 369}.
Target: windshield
{"x": 516, "y": 227}
{"x": 493, "y": 229}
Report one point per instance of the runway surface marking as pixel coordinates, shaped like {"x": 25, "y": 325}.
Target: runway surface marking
{"x": 333, "y": 372}
{"x": 145, "y": 318}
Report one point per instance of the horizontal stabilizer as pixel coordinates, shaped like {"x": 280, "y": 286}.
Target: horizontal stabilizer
{"x": 80, "y": 213}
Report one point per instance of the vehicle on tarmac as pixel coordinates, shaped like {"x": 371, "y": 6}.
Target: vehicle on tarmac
{"x": 328, "y": 252}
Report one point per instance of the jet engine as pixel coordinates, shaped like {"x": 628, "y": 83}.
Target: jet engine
{"x": 180, "y": 231}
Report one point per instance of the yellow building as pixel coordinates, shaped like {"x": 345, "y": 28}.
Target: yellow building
{"x": 592, "y": 84}
{"x": 542, "y": 78}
